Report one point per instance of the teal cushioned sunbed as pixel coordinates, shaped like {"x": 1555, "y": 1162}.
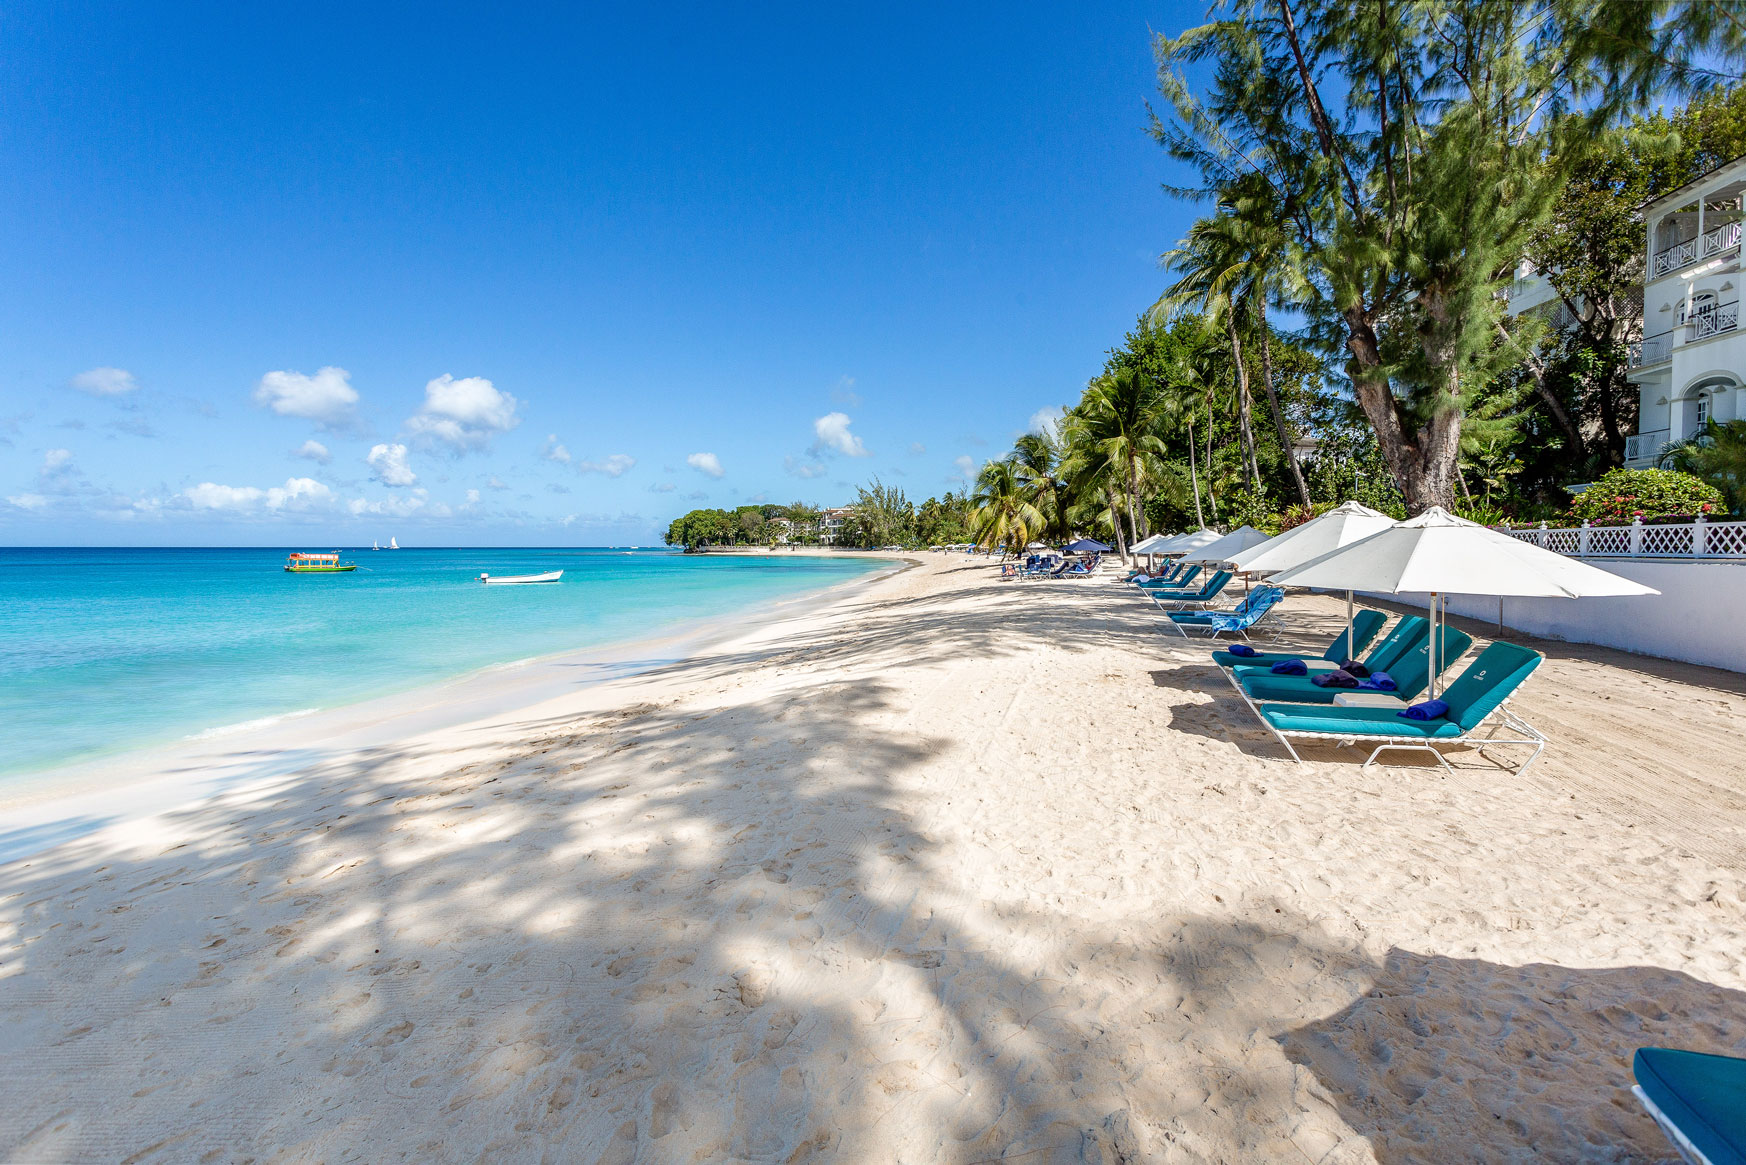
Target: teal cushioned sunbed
{"x": 1702, "y": 1096}
{"x": 1366, "y": 623}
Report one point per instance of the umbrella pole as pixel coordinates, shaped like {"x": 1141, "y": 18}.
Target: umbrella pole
{"x": 1434, "y": 645}
{"x": 1351, "y": 635}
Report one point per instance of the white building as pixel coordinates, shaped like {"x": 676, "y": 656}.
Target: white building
{"x": 830, "y": 523}
{"x": 1690, "y": 364}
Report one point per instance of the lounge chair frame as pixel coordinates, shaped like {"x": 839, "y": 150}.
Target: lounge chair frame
{"x": 1273, "y": 631}
{"x": 1692, "y": 1154}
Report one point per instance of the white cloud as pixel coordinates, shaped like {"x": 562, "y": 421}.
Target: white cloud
{"x": 966, "y": 467}
{"x": 806, "y": 470}
{"x": 662, "y": 487}
{"x": 57, "y": 462}
{"x": 464, "y": 413}
{"x": 705, "y": 463}
{"x": 495, "y": 482}
{"x": 843, "y": 392}
{"x": 916, "y": 448}
{"x": 326, "y": 398}
{"x": 615, "y": 466}
{"x": 388, "y": 465}
{"x": 27, "y": 501}
{"x": 398, "y": 506}
{"x": 553, "y": 450}
{"x": 314, "y": 451}
{"x": 832, "y": 431}
{"x": 298, "y": 493}
{"x": 105, "y": 381}
{"x": 472, "y": 497}
{"x": 1045, "y": 420}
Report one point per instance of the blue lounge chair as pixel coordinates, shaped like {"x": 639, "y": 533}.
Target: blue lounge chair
{"x": 1174, "y": 584}
{"x": 1411, "y": 674}
{"x": 1477, "y": 693}
{"x": 1209, "y": 591}
{"x": 1082, "y": 570}
{"x": 1410, "y": 632}
{"x": 1249, "y": 612}
{"x": 1698, "y": 1100}
{"x": 1366, "y": 623}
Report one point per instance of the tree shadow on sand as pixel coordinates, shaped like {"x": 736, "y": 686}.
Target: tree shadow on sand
{"x": 1531, "y": 1062}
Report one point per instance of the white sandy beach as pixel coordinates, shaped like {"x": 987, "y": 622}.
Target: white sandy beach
{"x": 949, "y": 870}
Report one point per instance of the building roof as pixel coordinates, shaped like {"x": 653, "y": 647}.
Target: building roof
{"x": 1683, "y": 192}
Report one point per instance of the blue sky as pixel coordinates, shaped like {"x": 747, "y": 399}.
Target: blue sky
{"x": 467, "y": 275}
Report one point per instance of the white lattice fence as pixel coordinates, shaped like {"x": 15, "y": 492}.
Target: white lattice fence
{"x": 1709, "y": 540}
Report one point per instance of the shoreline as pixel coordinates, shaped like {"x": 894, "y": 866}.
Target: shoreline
{"x": 42, "y": 809}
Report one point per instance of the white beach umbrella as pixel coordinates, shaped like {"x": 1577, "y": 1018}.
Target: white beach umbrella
{"x": 1186, "y": 543}
{"x": 1341, "y": 526}
{"x": 1440, "y": 554}
{"x": 1153, "y": 545}
{"x": 1222, "y": 549}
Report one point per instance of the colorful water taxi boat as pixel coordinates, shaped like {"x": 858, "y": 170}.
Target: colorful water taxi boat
{"x": 302, "y": 563}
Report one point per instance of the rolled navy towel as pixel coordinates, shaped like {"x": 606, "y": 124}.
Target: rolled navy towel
{"x": 1378, "y": 681}
{"x": 1338, "y": 678}
{"x": 1244, "y": 650}
{"x": 1353, "y": 668}
{"x": 1290, "y": 667}
{"x": 1428, "y": 710}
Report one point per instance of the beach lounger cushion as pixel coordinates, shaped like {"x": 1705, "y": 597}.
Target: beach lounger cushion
{"x": 1366, "y": 623}
{"x": 1703, "y": 1096}
{"x": 1357, "y": 721}
{"x": 1487, "y": 682}
{"x": 1412, "y": 672}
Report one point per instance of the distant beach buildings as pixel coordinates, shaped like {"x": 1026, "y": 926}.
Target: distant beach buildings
{"x": 830, "y": 524}
{"x": 1689, "y": 358}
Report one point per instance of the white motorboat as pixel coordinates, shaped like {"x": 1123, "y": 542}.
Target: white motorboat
{"x": 495, "y": 579}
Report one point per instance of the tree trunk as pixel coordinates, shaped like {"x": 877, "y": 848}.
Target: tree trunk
{"x": 1278, "y": 415}
{"x": 1115, "y": 521}
{"x": 1194, "y": 474}
{"x": 1212, "y": 500}
{"x": 1134, "y": 534}
{"x": 1245, "y": 433}
{"x": 1423, "y": 461}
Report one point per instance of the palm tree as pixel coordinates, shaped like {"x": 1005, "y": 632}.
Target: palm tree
{"x": 1717, "y": 454}
{"x": 1120, "y": 413}
{"x": 1181, "y": 394}
{"x": 1036, "y": 457}
{"x": 1005, "y": 515}
{"x": 1232, "y": 264}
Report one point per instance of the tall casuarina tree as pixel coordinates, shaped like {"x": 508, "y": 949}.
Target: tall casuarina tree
{"x": 1404, "y": 147}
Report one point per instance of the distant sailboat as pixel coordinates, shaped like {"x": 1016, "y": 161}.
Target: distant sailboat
{"x": 374, "y": 545}
{"x": 393, "y": 545}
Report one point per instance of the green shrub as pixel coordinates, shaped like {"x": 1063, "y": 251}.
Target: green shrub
{"x": 1624, "y": 494}
{"x": 1482, "y": 512}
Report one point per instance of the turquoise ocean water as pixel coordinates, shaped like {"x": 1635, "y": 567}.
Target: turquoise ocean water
{"x": 107, "y": 650}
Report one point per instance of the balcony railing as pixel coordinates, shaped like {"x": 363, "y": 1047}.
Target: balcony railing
{"x": 1646, "y": 446}
{"x": 1650, "y": 350}
{"x": 1700, "y": 539}
{"x": 1721, "y": 318}
{"x": 1724, "y": 238}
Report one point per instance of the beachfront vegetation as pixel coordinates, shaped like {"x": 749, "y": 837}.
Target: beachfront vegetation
{"x": 881, "y": 515}
{"x": 1381, "y": 170}
{"x": 1624, "y": 494}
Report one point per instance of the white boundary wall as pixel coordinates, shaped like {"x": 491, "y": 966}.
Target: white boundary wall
{"x": 1699, "y": 616}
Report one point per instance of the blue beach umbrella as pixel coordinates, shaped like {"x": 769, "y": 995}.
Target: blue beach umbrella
{"x": 1084, "y": 546}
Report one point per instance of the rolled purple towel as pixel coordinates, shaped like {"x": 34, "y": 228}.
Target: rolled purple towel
{"x": 1337, "y": 678}
{"x": 1244, "y": 650}
{"x": 1379, "y": 681}
{"x": 1428, "y": 710}
{"x": 1353, "y": 668}
{"x": 1290, "y": 667}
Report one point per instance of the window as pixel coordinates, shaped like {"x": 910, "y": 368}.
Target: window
{"x": 1703, "y": 410}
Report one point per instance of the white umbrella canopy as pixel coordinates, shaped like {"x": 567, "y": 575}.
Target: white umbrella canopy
{"x": 1186, "y": 543}
{"x": 1348, "y": 523}
{"x": 1222, "y": 549}
{"x": 1440, "y": 554}
{"x": 1153, "y": 545}
{"x": 1345, "y": 524}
